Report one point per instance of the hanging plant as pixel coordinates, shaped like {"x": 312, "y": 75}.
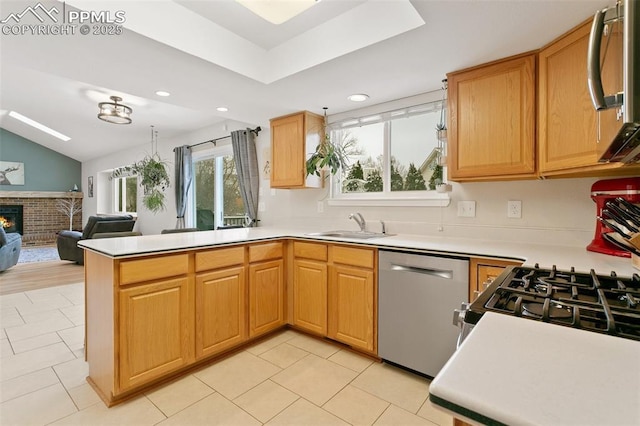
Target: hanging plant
{"x": 154, "y": 178}
{"x": 333, "y": 155}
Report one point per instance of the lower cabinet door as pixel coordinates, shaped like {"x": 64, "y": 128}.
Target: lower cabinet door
{"x": 266, "y": 297}
{"x": 155, "y": 331}
{"x": 351, "y": 307}
{"x": 220, "y": 310}
{"x": 310, "y": 296}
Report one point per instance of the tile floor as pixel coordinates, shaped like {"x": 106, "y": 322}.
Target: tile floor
{"x": 289, "y": 379}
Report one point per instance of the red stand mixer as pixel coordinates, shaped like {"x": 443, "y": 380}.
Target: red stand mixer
{"x": 608, "y": 190}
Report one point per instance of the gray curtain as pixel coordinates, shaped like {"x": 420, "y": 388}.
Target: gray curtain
{"x": 244, "y": 154}
{"x": 184, "y": 177}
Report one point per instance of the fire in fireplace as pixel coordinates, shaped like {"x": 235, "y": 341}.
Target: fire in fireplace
{"x": 11, "y": 218}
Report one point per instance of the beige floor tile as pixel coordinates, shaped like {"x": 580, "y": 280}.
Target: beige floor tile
{"x": 13, "y": 300}
{"x": 73, "y": 337}
{"x": 213, "y": 410}
{"x": 72, "y": 373}
{"x": 394, "y": 416}
{"x": 315, "y": 378}
{"x": 266, "y": 400}
{"x": 356, "y": 406}
{"x": 84, "y": 396}
{"x": 9, "y": 317}
{"x": 27, "y": 331}
{"x": 284, "y": 355}
{"x": 48, "y": 315}
{"x": 79, "y": 353}
{"x": 37, "y": 359}
{"x": 138, "y": 412}
{"x": 5, "y": 348}
{"x": 351, "y": 360}
{"x": 36, "y": 342}
{"x": 178, "y": 395}
{"x": 313, "y": 345}
{"x": 27, "y": 383}
{"x": 431, "y": 413}
{"x": 37, "y": 408}
{"x": 43, "y": 304}
{"x": 303, "y": 412}
{"x": 272, "y": 342}
{"x": 237, "y": 374}
{"x": 75, "y": 314}
{"x": 392, "y": 384}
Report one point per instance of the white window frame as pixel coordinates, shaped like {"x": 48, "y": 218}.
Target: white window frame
{"x": 217, "y": 152}
{"x": 121, "y": 195}
{"x": 364, "y": 116}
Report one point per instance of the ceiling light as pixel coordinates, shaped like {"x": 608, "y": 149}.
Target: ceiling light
{"x": 113, "y": 112}
{"x": 38, "y": 126}
{"x": 360, "y": 97}
{"x": 222, "y": 109}
{"x": 277, "y": 11}
{"x": 162, "y": 93}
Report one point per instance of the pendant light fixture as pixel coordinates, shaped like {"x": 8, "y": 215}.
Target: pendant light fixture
{"x": 113, "y": 112}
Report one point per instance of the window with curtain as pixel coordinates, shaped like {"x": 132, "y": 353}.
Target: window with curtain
{"x": 126, "y": 194}
{"x": 395, "y": 155}
{"x": 217, "y": 202}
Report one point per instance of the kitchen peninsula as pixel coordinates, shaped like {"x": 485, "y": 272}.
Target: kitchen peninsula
{"x": 151, "y": 312}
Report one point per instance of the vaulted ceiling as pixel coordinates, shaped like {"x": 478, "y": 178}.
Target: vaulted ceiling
{"x": 210, "y": 54}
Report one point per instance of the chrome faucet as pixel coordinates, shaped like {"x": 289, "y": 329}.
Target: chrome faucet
{"x": 359, "y": 220}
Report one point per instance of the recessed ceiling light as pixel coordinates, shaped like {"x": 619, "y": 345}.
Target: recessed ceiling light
{"x": 38, "y": 126}
{"x": 162, "y": 93}
{"x": 359, "y": 97}
{"x": 277, "y": 11}
{"x": 222, "y": 109}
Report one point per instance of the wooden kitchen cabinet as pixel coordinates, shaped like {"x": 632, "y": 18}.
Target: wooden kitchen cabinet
{"x": 266, "y": 288}
{"x": 567, "y": 121}
{"x": 293, "y": 139}
{"x": 155, "y": 330}
{"x": 310, "y": 295}
{"x": 492, "y": 120}
{"x": 482, "y": 272}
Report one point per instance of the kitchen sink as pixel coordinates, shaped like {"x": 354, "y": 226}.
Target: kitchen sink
{"x": 363, "y": 235}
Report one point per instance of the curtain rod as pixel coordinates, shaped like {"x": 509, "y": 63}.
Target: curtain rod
{"x": 213, "y": 141}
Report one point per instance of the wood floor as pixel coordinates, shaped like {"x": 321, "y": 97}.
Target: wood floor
{"x": 35, "y": 275}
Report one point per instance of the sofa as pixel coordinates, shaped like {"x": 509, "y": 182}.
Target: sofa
{"x": 10, "y": 245}
{"x": 96, "y": 227}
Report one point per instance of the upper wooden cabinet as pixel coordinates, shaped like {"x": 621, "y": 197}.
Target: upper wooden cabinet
{"x": 568, "y": 124}
{"x": 293, "y": 138}
{"x": 492, "y": 120}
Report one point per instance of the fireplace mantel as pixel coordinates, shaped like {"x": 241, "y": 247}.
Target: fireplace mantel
{"x": 40, "y": 194}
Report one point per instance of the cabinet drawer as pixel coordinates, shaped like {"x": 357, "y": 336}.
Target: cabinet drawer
{"x": 260, "y": 252}
{"x": 219, "y": 258}
{"x": 134, "y": 271}
{"x": 310, "y": 250}
{"x": 352, "y": 256}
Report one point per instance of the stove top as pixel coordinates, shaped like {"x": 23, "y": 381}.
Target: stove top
{"x": 601, "y": 303}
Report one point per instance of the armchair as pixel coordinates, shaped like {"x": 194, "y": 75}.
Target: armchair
{"x": 67, "y": 241}
{"x": 10, "y": 245}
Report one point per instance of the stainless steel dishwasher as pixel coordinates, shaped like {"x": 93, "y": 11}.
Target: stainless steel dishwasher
{"x": 416, "y": 296}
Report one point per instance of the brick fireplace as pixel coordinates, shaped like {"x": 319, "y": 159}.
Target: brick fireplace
{"x": 41, "y": 215}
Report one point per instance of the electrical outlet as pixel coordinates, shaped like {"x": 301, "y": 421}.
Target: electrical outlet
{"x": 514, "y": 209}
{"x": 466, "y": 208}
{"x": 320, "y": 207}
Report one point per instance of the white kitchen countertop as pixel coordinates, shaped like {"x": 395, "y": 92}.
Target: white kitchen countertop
{"x": 519, "y": 371}
{"x": 545, "y": 255}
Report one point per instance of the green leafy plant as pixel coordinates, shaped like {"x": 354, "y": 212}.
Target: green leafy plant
{"x": 154, "y": 179}
{"x": 334, "y": 155}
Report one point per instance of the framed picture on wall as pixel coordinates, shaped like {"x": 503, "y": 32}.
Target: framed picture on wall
{"x": 90, "y": 187}
{"x": 11, "y": 173}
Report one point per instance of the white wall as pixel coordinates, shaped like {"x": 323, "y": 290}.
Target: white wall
{"x": 557, "y": 211}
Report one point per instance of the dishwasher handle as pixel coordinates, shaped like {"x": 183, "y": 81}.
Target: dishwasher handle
{"x": 442, "y": 273}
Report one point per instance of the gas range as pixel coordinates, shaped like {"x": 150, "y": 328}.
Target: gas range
{"x": 601, "y": 303}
